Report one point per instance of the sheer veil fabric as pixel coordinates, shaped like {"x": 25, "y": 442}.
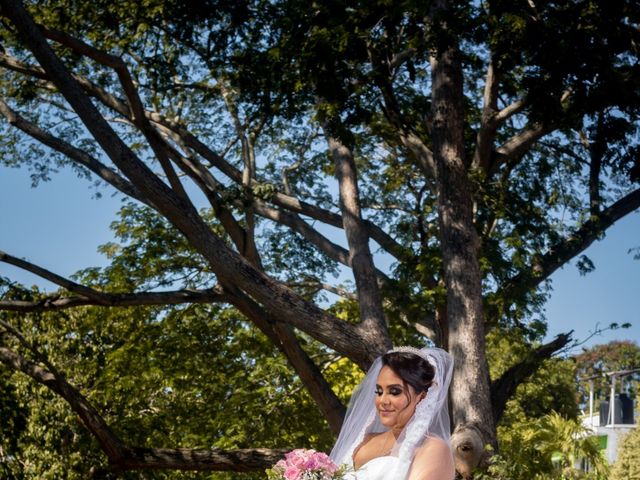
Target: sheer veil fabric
{"x": 431, "y": 418}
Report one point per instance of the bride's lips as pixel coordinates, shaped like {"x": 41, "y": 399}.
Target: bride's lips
{"x": 385, "y": 412}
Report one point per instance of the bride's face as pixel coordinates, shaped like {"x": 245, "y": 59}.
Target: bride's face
{"x": 395, "y": 402}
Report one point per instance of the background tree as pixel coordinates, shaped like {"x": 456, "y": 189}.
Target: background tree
{"x": 595, "y": 362}
{"x": 13, "y": 420}
{"x": 131, "y": 363}
{"x": 472, "y": 157}
{"x": 551, "y": 389}
{"x": 540, "y": 433}
{"x": 546, "y": 448}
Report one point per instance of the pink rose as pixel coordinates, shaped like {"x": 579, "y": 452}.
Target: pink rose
{"x": 296, "y": 458}
{"x": 291, "y": 473}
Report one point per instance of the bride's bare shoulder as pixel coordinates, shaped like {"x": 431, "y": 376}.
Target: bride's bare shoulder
{"x": 433, "y": 460}
{"x": 436, "y": 443}
{"x": 435, "y": 447}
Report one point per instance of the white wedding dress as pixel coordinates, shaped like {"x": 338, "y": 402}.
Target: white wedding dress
{"x": 374, "y": 469}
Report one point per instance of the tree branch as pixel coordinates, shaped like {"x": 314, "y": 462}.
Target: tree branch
{"x": 248, "y": 174}
{"x": 120, "y": 154}
{"x": 401, "y": 57}
{"x": 89, "y": 296}
{"x": 77, "y": 155}
{"x": 280, "y": 199}
{"x": 315, "y": 285}
{"x": 214, "y": 460}
{"x": 510, "y": 110}
{"x": 360, "y": 258}
{"x": 503, "y": 388}
{"x": 392, "y": 111}
{"x": 311, "y": 376}
{"x": 284, "y": 338}
{"x": 208, "y": 184}
{"x": 515, "y": 148}
{"x": 176, "y": 297}
{"x": 518, "y": 145}
{"x": 114, "y": 103}
{"x": 190, "y": 166}
{"x": 137, "y": 111}
{"x": 322, "y": 243}
{"x": 29, "y": 346}
{"x": 596, "y": 148}
{"x": 488, "y": 125}
{"x": 291, "y": 203}
{"x": 16, "y": 65}
{"x": 334, "y": 219}
{"x": 195, "y": 170}
{"x": 566, "y": 249}
{"x": 91, "y": 419}
{"x": 94, "y": 295}
{"x": 281, "y": 334}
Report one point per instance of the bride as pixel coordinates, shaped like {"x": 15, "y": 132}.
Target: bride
{"x": 397, "y": 426}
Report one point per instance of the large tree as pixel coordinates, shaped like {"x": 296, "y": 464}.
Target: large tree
{"x": 478, "y": 146}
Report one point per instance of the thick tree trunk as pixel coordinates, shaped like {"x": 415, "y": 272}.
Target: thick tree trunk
{"x": 470, "y": 395}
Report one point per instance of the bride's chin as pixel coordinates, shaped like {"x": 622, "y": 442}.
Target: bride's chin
{"x": 387, "y": 422}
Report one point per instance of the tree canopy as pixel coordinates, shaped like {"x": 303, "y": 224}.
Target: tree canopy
{"x": 268, "y": 148}
{"x": 598, "y": 364}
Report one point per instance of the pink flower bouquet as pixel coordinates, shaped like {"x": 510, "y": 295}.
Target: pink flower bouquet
{"x": 301, "y": 464}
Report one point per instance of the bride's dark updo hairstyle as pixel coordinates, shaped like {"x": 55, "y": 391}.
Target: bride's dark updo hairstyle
{"x": 411, "y": 368}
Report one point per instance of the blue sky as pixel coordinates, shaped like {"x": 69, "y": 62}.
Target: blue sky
{"x": 609, "y": 294}
{"x": 59, "y": 225}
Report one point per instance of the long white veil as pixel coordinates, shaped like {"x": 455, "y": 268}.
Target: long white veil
{"x": 431, "y": 418}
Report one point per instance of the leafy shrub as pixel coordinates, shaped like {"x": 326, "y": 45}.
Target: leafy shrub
{"x": 546, "y": 448}
{"x": 627, "y": 465}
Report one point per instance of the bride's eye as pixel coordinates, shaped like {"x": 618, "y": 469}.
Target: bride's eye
{"x": 378, "y": 391}
{"x": 395, "y": 391}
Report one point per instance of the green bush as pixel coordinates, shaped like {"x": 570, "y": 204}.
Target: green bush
{"x": 627, "y": 465}
{"x": 546, "y": 448}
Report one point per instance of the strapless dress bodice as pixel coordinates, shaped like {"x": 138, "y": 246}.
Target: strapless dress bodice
{"x": 374, "y": 469}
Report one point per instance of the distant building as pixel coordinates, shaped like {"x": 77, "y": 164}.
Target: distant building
{"x": 615, "y": 416}
{"x": 610, "y": 425}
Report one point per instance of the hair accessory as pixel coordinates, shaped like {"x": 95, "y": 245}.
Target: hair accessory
{"x": 416, "y": 351}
